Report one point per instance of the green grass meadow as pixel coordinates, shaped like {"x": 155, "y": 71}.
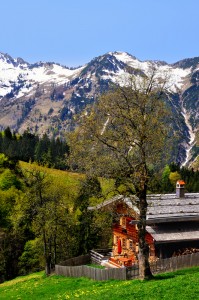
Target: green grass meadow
{"x": 70, "y": 180}
{"x": 179, "y": 285}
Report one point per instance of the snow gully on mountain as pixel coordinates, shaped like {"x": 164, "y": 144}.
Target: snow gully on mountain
{"x": 192, "y": 135}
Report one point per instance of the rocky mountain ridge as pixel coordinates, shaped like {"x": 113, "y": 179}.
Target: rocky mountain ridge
{"x": 44, "y": 97}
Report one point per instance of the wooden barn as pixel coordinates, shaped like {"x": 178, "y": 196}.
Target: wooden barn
{"x": 172, "y": 225}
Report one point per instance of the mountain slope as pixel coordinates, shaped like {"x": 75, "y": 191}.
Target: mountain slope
{"x": 45, "y": 96}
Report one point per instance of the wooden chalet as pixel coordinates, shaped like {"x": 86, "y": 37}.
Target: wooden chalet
{"x": 172, "y": 225}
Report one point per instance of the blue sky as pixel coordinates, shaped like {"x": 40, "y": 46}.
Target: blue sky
{"x": 74, "y": 32}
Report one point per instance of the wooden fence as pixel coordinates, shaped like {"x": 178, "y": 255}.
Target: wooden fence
{"x": 167, "y": 265}
{"x": 175, "y": 263}
{"x": 97, "y": 256}
{"x": 90, "y": 272}
{"x": 160, "y": 266}
{"x": 77, "y": 261}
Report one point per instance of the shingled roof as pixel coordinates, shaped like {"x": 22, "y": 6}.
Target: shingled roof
{"x": 169, "y": 218}
{"x": 162, "y": 208}
{"x": 174, "y": 232}
{"x": 169, "y": 208}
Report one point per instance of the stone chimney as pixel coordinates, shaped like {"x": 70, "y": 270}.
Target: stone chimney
{"x": 180, "y": 189}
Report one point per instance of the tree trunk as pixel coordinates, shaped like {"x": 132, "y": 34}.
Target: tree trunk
{"x": 47, "y": 257}
{"x": 143, "y": 256}
{"x": 48, "y": 264}
{"x": 55, "y": 250}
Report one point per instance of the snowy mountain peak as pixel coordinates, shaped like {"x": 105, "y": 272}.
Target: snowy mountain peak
{"x": 110, "y": 67}
{"x": 187, "y": 63}
{"x": 44, "y": 96}
{"x": 7, "y": 59}
{"x": 114, "y": 66}
{"x": 18, "y": 73}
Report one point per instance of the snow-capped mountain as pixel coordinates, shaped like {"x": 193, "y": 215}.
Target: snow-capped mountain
{"x": 17, "y": 74}
{"x": 45, "y": 96}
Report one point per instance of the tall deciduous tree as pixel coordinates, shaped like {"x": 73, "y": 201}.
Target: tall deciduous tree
{"x": 45, "y": 210}
{"x": 37, "y": 205}
{"x": 124, "y": 135}
{"x": 88, "y": 227}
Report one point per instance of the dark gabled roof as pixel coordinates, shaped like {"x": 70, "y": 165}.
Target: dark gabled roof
{"x": 175, "y": 232}
{"x": 108, "y": 202}
{"x": 128, "y": 201}
{"x": 162, "y": 208}
{"x": 169, "y": 208}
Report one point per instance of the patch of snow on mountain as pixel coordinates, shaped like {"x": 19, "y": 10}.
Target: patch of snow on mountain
{"x": 12, "y": 75}
{"x": 4, "y": 90}
{"x": 24, "y": 90}
{"x": 192, "y": 136}
{"x": 175, "y": 76}
{"x": 117, "y": 77}
{"x": 132, "y": 61}
{"x": 55, "y": 74}
{"x": 8, "y": 72}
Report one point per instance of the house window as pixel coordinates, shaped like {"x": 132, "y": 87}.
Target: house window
{"x": 116, "y": 239}
{"x": 131, "y": 244}
{"x": 123, "y": 243}
{"x": 123, "y": 222}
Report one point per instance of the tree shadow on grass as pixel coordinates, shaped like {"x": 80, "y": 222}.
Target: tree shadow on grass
{"x": 163, "y": 276}
{"x": 176, "y": 273}
{"x": 187, "y": 271}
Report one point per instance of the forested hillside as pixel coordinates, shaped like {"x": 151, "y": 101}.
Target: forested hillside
{"x": 43, "y": 211}
{"x": 29, "y": 147}
{"x": 44, "y": 217}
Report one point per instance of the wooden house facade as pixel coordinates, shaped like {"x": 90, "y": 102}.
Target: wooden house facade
{"x": 172, "y": 225}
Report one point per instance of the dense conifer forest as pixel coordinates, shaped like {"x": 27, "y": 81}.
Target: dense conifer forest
{"x": 30, "y": 148}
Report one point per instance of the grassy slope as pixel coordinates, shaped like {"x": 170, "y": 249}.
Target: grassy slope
{"x": 173, "y": 286}
{"x": 69, "y": 179}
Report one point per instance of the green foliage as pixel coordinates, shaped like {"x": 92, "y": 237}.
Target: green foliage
{"x": 8, "y": 199}
{"x": 96, "y": 266}
{"x": 11, "y": 241}
{"x": 40, "y": 207}
{"x": 47, "y": 210}
{"x": 166, "y": 185}
{"x": 31, "y": 258}
{"x": 88, "y": 229}
{"x": 173, "y": 172}
{"x": 89, "y": 187}
{"x": 174, "y": 177}
{"x": 9, "y": 179}
{"x": 8, "y": 133}
{"x": 3, "y": 160}
{"x": 124, "y": 186}
{"x": 29, "y": 147}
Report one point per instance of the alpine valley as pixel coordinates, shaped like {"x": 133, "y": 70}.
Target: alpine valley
{"x": 45, "y": 96}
